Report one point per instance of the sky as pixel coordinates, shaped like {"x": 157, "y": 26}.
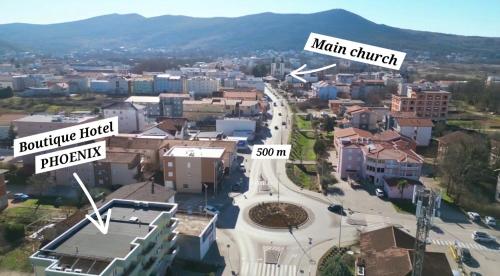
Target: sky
{"x": 464, "y": 17}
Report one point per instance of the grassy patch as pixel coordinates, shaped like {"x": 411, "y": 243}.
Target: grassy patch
{"x": 303, "y": 176}
{"x": 403, "y": 206}
{"x": 302, "y": 123}
{"x": 303, "y": 141}
{"x": 16, "y": 259}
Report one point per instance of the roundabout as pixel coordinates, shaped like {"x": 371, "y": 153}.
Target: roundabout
{"x": 274, "y": 215}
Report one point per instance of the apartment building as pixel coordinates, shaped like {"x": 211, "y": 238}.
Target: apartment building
{"x": 420, "y": 130}
{"x": 325, "y": 90}
{"x": 375, "y": 157}
{"x": 168, "y": 128}
{"x": 202, "y": 86}
{"x": 131, "y": 117}
{"x": 339, "y": 106}
{"x": 142, "y": 86}
{"x": 361, "y": 117}
{"x": 151, "y": 104}
{"x": 241, "y": 94}
{"x": 171, "y": 104}
{"x": 118, "y": 169}
{"x": 430, "y": 104}
{"x": 141, "y": 240}
{"x": 216, "y": 108}
{"x": 146, "y": 147}
{"x": 166, "y": 83}
{"x": 193, "y": 169}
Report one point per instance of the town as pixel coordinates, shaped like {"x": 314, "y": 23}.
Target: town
{"x": 361, "y": 170}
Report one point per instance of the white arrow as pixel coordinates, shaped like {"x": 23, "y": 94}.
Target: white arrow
{"x": 298, "y": 71}
{"x": 103, "y": 227}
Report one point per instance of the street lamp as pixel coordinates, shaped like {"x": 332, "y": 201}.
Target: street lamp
{"x": 206, "y": 199}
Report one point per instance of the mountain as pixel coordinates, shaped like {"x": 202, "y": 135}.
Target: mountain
{"x": 246, "y": 33}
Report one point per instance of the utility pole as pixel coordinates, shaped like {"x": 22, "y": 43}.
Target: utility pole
{"x": 427, "y": 202}
{"x": 206, "y": 198}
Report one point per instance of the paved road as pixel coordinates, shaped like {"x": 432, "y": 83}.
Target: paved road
{"x": 366, "y": 212}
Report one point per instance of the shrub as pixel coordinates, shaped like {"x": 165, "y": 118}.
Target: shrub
{"x": 14, "y": 232}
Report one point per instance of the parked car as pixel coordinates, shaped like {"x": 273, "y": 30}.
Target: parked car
{"x": 276, "y": 127}
{"x": 21, "y": 196}
{"x": 474, "y": 216}
{"x": 2, "y": 158}
{"x": 380, "y": 193}
{"x": 465, "y": 255}
{"x": 336, "y": 208}
{"x": 491, "y": 221}
{"x": 211, "y": 210}
{"x": 279, "y": 114}
{"x": 283, "y": 123}
{"x": 242, "y": 167}
{"x": 274, "y": 104}
{"x": 482, "y": 237}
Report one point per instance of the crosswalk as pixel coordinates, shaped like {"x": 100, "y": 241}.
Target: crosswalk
{"x": 472, "y": 246}
{"x": 263, "y": 269}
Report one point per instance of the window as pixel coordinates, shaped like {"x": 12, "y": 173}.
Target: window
{"x": 185, "y": 186}
{"x": 170, "y": 164}
{"x": 189, "y": 165}
{"x": 170, "y": 174}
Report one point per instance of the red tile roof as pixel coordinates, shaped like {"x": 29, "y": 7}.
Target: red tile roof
{"x": 415, "y": 122}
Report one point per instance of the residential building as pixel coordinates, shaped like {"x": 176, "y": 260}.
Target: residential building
{"x": 40, "y": 123}
{"x": 241, "y": 94}
{"x": 101, "y": 86}
{"x": 361, "y": 117}
{"x": 362, "y": 88}
{"x": 141, "y": 240}
{"x": 339, "y": 106}
{"x": 118, "y": 169}
{"x": 196, "y": 234}
{"x": 431, "y": 104}
{"x": 236, "y": 127}
{"x": 420, "y": 130}
{"x": 146, "y": 146}
{"x": 171, "y": 104}
{"x": 375, "y": 157}
{"x": 166, "y": 83}
{"x": 131, "y": 117}
{"x": 492, "y": 80}
{"x": 278, "y": 68}
{"x": 325, "y": 90}
{"x": 251, "y": 83}
{"x": 64, "y": 176}
{"x": 202, "y": 86}
{"x": 215, "y": 108}
{"x": 6, "y": 121}
{"x": 389, "y": 251}
{"x": 142, "y": 86}
{"x": 151, "y": 104}
{"x": 392, "y": 188}
{"x": 343, "y": 78}
{"x": 120, "y": 85}
{"x": 168, "y": 128}
{"x": 3, "y": 190}
{"x": 193, "y": 169}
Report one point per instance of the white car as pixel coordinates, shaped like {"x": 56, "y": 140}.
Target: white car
{"x": 474, "y": 216}
{"x": 482, "y": 237}
{"x": 379, "y": 192}
{"x": 211, "y": 210}
{"x": 242, "y": 167}
{"x": 491, "y": 221}
{"x": 2, "y": 158}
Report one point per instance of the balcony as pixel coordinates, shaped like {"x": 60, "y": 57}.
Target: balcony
{"x": 147, "y": 248}
{"x": 149, "y": 263}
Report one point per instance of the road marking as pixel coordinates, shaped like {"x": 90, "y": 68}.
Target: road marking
{"x": 263, "y": 269}
{"x": 474, "y": 246}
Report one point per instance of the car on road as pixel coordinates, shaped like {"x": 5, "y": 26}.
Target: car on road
{"x": 490, "y": 221}
{"x": 380, "y": 193}
{"x": 279, "y": 114}
{"x": 283, "y": 123}
{"x": 336, "y": 208}
{"x": 276, "y": 127}
{"x": 465, "y": 255}
{"x": 236, "y": 187}
{"x": 474, "y": 216}
{"x": 211, "y": 210}
{"x": 21, "y": 196}
{"x": 479, "y": 236}
{"x": 266, "y": 124}
{"x": 274, "y": 104}
{"x": 242, "y": 167}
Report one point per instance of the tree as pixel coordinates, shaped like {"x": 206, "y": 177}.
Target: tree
{"x": 335, "y": 267}
{"x": 260, "y": 70}
{"x": 14, "y": 232}
{"x": 11, "y": 135}
{"x": 6, "y": 93}
{"x": 402, "y": 184}
{"x": 329, "y": 124}
{"x": 40, "y": 182}
{"x": 320, "y": 147}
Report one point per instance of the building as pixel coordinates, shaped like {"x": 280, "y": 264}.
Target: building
{"x": 243, "y": 95}
{"x": 492, "y": 80}
{"x": 101, "y": 86}
{"x": 339, "y": 106}
{"x": 151, "y": 104}
{"x": 141, "y": 240}
{"x": 389, "y": 251}
{"x": 420, "y": 130}
{"x": 235, "y": 126}
{"x": 40, "y": 123}
{"x": 131, "y": 117}
{"x": 146, "y": 147}
{"x": 171, "y": 104}
{"x": 430, "y": 104}
{"x": 193, "y": 169}
{"x": 202, "y": 86}
{"x": 210, "y": 109}
{"x": 278, "y": 69}
{"x": 375, "y": 157}
{"x": 6, "y": 121}
{"x": 142, "y": 191}
{"x": 196, "y": 234}
{"x": 118, "y": 169}
{"x": 325, "y": 90}
{"x": 168, "y": 128}
{"x": 391, "y": 187}
{"x": 166, "y": 83}
{"x": 361, "y": 117}
{"x": 142, "y": 86}
{"x": 3, "y": 190}
{"x": 344, "y": 78}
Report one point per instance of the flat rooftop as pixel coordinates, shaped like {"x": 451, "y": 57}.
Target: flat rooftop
{"x": 192, "y": 224}
{"x": 143, "y": 99}
{"x": 195, "y": 152}
{"x": 45, "y": 118}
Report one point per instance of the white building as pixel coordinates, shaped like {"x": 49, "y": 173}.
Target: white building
{"x": 131, "y": 117}
{"x": 420, "y": 130}
{"x": 166, "y": 83}
{"x": 151, "y": 104}
{"x": 202, "y": 86}
{"x": 233, "y": 126}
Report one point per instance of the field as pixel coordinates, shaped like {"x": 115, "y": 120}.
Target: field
{"x": 304, "y": 176}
